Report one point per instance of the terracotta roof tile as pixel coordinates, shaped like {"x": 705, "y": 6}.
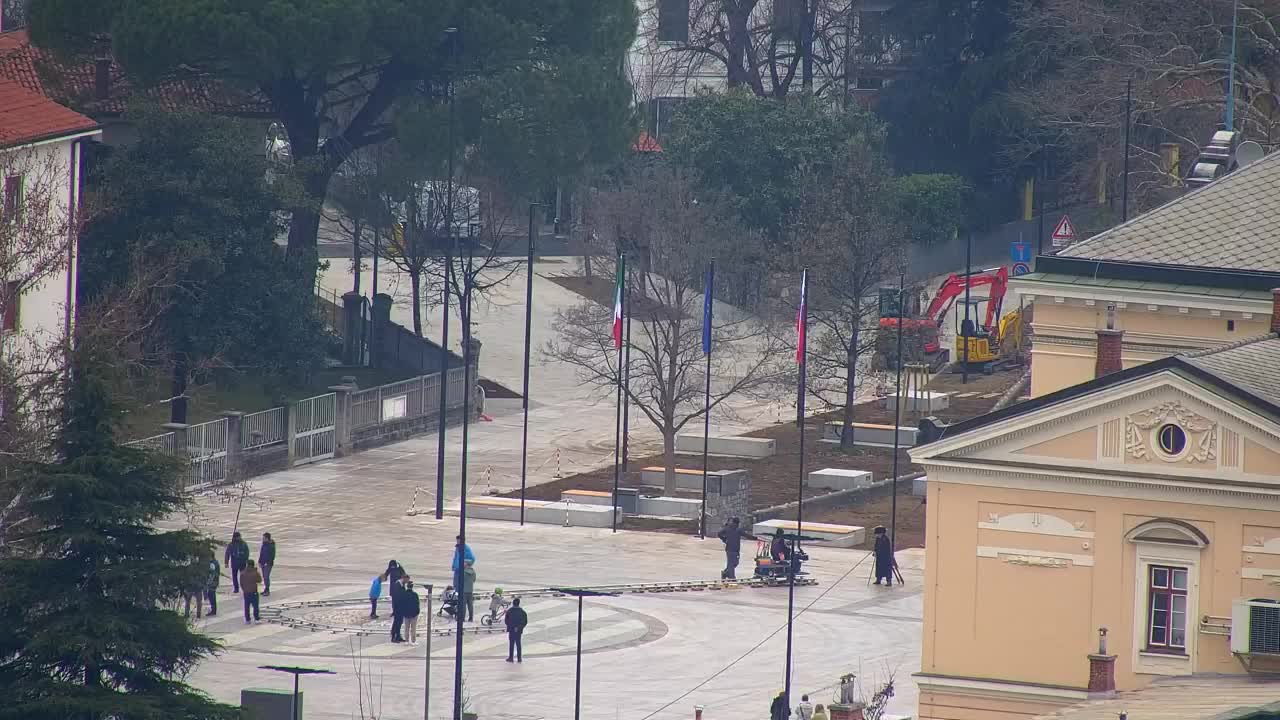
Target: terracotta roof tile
{"x": 73, "y": 84}
{"x": 26, "y": 116}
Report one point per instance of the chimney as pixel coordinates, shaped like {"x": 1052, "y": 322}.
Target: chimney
{"x": 1275, "y": 310}
{"x": 1107, "y": 360}
{"x": 1102, "y": 670}
{"x": 846, "y": 711}
{"x": 101, "y": 78}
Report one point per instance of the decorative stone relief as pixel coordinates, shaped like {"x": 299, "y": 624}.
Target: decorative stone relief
{"x": 1201, "y": 432}
{"x": 1036, "y": 561}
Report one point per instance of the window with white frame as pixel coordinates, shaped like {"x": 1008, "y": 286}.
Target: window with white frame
{"x": 1167, "y": 608}
{"x": 11, "y": 210}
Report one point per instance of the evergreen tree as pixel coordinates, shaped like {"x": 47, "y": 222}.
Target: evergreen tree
{"x": 84, "y": 631}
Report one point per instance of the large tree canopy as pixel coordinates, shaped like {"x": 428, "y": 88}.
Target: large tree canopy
{"x": 337, "y": 72}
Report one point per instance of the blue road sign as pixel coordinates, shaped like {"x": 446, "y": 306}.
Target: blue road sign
{"x": 1020, "y": 268}
{"x": 1020, "y": 252}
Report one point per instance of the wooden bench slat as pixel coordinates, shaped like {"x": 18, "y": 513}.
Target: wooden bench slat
{"x": 588, "y": 493}
{"x": 679, "y": 471}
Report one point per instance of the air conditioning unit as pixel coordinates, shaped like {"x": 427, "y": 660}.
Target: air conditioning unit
{"x": 1255, "y": 627}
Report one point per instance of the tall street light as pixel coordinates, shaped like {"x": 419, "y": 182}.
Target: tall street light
{"x": 528, "y": 339}
{"x": 577, "y": 673}
{"x": 462, "y": 484}
{"x": 451, "y": 35}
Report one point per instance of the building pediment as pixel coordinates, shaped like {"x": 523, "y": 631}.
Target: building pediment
{"x": 1161, "y": 427}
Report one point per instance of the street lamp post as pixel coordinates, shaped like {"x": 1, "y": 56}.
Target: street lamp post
{"x": 577, "y": 673}
{"x": 528, "y": 339}
{"x": 462, "y": 486}
{"x": 426, "y": 685}
{"x": 295, "y": 672}
{"x": 452, "y": 38}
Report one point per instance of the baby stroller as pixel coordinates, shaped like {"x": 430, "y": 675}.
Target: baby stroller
{"x": 449, "y": 603}
{"x": 774, "y": 570}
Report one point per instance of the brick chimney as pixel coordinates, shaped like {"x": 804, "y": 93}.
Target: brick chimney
{"x": 101, "y": 78}
{"x": 842, "y": 711}
{"x": 1275, "y": 310}
{"x": 1102, "y": 670}
{"x": 1110, "y": 339}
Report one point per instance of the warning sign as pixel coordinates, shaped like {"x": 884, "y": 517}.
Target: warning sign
{"x": 1064, "y": 234}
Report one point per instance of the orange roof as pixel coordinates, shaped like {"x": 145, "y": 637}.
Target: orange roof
{"x": 645, "y": 143}
{"x": 73, "y": 83}
{"x": 27, "y": 117}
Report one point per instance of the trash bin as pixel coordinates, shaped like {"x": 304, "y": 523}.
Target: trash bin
{"x": 628, "y": 500}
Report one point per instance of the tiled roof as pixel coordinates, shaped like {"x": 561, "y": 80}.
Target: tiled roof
{"x": 26, "y": 117}
{"x": 1189, "y": 698}
{"x": 1230, "y": 223}
{"x": 1252, "y": 365}
{"x": 74, "y": 84}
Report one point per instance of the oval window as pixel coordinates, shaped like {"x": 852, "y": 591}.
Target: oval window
{"x": 1172, "y": 440}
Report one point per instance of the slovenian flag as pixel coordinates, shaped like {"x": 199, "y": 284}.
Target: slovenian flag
{"x": 802, "y": 315}
{"x": 707, "y": 300}
{"x": 617, "y": 302}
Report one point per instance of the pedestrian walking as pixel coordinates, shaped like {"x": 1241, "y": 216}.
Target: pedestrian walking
{"x": 412, "y": 609}
{"x": 884, "y": 556}
{"x": 804, "y": 711}
{"x": 468, "y": 590}
{"x": 195, "y": 590}
{"x": 249, "y": 579}
{"x": 375, "y": 592}
{"x": 397, "y": 609}
{"x": 211, "y": 585}
{"x": 266, "y": 560}
{"x": 237, "y": 556}
{"x": 779, "y": 709}
{"x": 731, "y": 535}
{"x": 820, "y": 713}
{"x": 516, "y": 618}
{"x": 461, "y": 556}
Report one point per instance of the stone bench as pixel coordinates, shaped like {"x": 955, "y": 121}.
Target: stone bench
{"x": 728, "y": 446}
{"x": 920, "y": 401}
{"x": 838, "y": 479}
{"x": 844, "y": 536}
{"x": 547, "y": 512}
{"x": 587, "y": 497}
{"x": 687, "y": 479}
{"x": 669, "y": 506}
{"x": 870, "y": 434}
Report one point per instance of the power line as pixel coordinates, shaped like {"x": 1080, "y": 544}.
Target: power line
{"x": 758, "y": 645}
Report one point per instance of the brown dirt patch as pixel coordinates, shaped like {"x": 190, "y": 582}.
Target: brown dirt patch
{"x": 875, "y": 511}
{"x": 600, "y": 290}
{"x": 497, "y": 390}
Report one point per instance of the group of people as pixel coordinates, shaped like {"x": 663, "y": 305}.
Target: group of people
{"x": 406, "y": 604}
{"x": 732, "y": 533}
{"x": 245, "y": 575}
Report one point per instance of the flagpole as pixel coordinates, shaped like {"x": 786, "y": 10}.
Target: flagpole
{"x": 619, "y": 312}
{"x": 802, "y": 322}
{"x": 708, "y": 303}
{"x": 626, "y": 377}
{"x": 897, "y": 421}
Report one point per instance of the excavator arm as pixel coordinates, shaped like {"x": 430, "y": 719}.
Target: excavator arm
{"x": 954, "y": 286}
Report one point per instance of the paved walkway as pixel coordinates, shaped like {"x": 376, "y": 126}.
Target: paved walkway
{"x": 338, "y": 523}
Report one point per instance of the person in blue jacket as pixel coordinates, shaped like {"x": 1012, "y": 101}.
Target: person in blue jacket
{"x": 461, "y": 553}
{"x": 375, "y": 592}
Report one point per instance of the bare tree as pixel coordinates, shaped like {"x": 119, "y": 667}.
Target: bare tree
{"x": 669, "y": 234}
{"x": 1081, "y": 55}
{"x": 851, "y": 238}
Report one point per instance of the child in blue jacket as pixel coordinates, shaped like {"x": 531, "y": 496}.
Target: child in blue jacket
{"x": 375, "y": 592}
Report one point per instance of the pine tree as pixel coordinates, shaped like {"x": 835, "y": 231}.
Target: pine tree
{"x": 84, "y": 629}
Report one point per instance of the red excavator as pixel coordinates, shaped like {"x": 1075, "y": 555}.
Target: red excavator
{"x": 920, "y": 334}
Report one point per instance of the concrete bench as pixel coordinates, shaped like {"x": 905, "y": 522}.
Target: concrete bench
{"x": 669, "y": 506}
{"x": 729, "y": 446}
{"x": 687, "y": 479}
{"x": 587, "y": 497}
{"x": 546, "y": 512}
{"x": 835, "y": 535}
{"x": 871, "y": 435}
{"x": 838, "y": 479}
{"x": 920, "y": 401}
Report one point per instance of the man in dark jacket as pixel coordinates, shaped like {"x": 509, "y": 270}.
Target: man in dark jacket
{"x": 266, "y": 560}
{"x": 884, "y": 556}
{"x": 397, "y": 609}
{"x": 780, "y": 709}
{"x": 517, "y": 618}
{"x": 731, "y": 535}
{"x": 237, "y": 556}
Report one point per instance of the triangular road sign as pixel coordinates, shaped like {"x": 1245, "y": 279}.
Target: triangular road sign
{"x": 1064, "y": 234}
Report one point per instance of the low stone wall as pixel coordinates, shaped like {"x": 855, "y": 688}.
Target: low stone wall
{"x": 833, "y": 499}
{"x": 263, "y": 460}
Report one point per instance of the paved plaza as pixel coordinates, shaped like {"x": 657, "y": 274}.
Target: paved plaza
{"x": 338, "y": 523}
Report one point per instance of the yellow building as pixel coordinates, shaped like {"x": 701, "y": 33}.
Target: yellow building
{"x": 1191, "y": 274}
{"x": 1145, "y": 501}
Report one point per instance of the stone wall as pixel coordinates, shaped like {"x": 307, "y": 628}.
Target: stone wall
{"x": 728, "y": 495}
{"x": 836, "y": 499}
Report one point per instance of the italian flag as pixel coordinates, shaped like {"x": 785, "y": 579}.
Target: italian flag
{"x": 617, "y": 302}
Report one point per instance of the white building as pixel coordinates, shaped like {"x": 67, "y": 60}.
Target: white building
{"x": 40, "y": 179}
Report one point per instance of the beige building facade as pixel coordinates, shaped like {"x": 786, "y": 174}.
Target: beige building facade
{"x": 1189, "y": 275}
{"x": 1146, "y": 502}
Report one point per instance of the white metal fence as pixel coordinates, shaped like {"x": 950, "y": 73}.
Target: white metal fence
{"x": 260, "y": 429}
{"x": 165, "y": 443}
{"x": 315, "y": 429}
{"x": 207, "y": 451}
{"x": 405, "y": 399}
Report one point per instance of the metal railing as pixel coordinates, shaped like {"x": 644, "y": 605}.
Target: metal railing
{"x": 261, "y": 429}
{"x": 207, "y": 450}
{"x": 410, "y": 398}
{"x": 166, "y": 443}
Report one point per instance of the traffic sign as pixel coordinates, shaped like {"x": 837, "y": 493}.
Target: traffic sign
{"x": 1020, "y": 268}
{"x": 1064, "y": 234}
{"x": 1020, "y": 252}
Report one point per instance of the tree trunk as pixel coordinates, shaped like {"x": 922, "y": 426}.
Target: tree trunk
{"x": 669, "y": 462}
{"x": 304, "y": 225}
{"x": 178, "y": 400}
{"x": 851, "y": 376}
{"x": 415, "y": 285}
{"x": 356, "y": 258}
